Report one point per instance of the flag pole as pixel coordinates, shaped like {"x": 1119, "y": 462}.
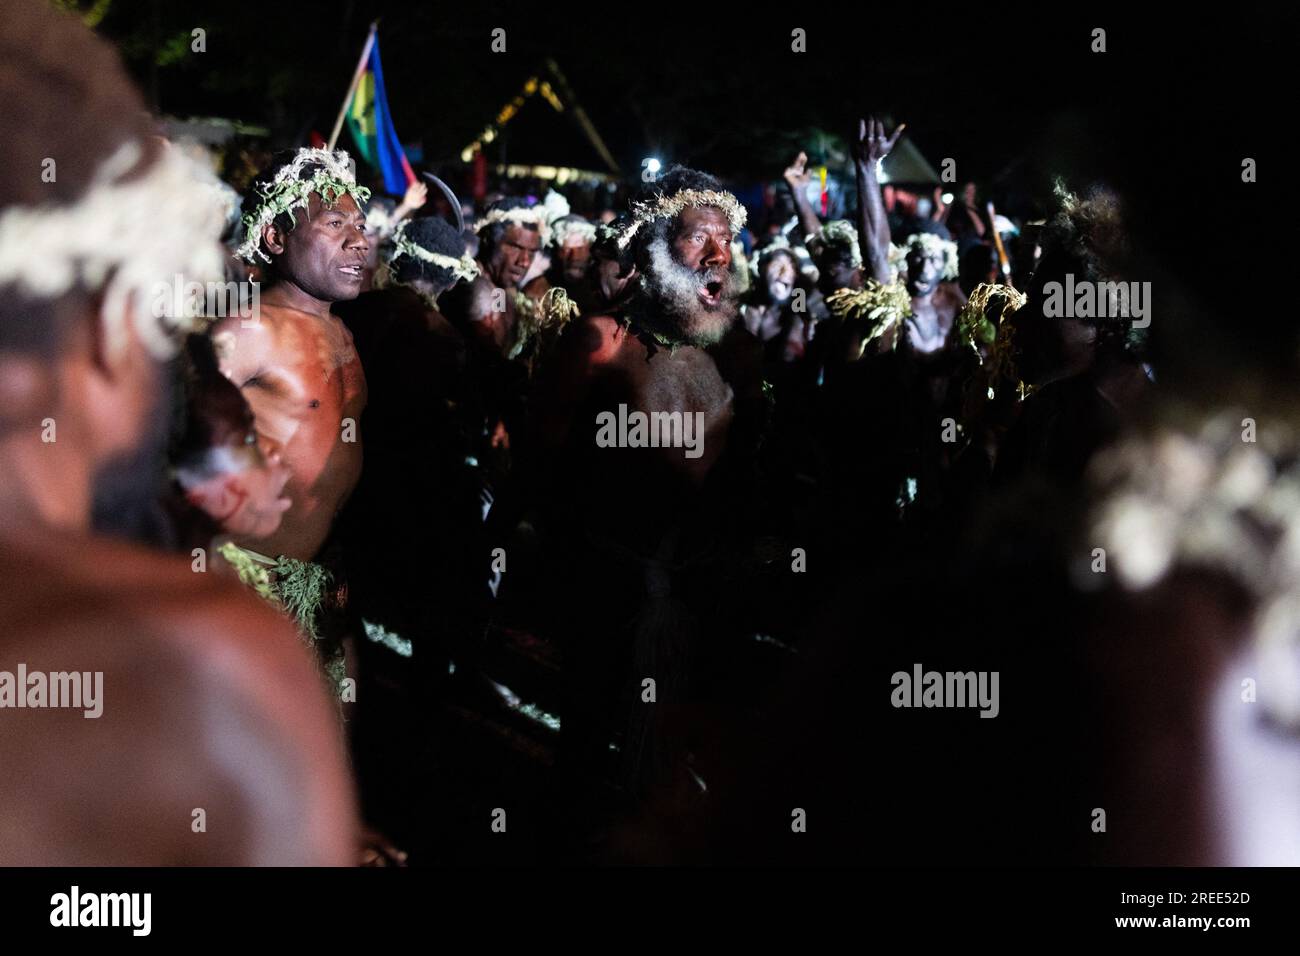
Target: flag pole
{"x": 352, "y": 87}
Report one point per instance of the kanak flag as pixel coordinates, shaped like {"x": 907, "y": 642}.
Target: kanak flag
{"x": 371, "y": 125}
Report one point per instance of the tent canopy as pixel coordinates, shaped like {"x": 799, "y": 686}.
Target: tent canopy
{"x": 906, "y": 165}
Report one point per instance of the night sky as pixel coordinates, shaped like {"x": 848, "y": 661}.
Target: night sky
{"x": 702, "y": 93}
{"x": 1166, "y": 114}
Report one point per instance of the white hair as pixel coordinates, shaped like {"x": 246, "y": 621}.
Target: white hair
{"x": 675, "y": 289}
{"x": 122, "y": 238}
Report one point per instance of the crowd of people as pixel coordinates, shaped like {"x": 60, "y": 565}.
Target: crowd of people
{"x": 499, "y": 532}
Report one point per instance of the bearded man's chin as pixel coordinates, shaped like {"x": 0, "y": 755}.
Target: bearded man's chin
{"x": 710, "y": 326}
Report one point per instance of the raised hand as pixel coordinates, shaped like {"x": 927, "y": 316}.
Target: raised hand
{"x": 869, "y": 147}
{"x": 797, "y": 176}
{"x": 797, "y": 173}
{"x": 416, "y": 194}
{"x": 872, "y": 144}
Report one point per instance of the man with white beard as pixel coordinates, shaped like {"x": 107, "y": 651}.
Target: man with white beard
{"x": 652, "y": 356}
{"x": 633, "y": 529}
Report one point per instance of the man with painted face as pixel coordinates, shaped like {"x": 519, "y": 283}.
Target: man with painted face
{"x": 776, "y": 316}
{"x": 888, "y": 368}
{"x": 216, "y": 461}
{"x": 936, "y": 297}
{"x": 571, "y": 240}
{"x": 931, "y": 259}
{"x": 931, "y": 356}
{"x": 836, "y": 254}
{"x": 295, "y": 362}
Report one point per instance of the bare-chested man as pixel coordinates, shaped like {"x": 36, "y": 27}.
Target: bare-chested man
{"x": 654, "y": 358}
{"x": 936, "y": 297}
{"x": 210, "y": 739}
{"x": 510, "y": 233}
{"x": 774, "y": 315}
{"x": 508, "y": 323}
{"x": 295, "y": 362}
{"x": 626, "y": 517}
{"x": 931, "y": 259}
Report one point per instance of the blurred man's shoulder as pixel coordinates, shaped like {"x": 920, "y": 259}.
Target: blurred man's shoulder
{"x": 601, "y": 337}
{"x": 143, "y": 597}
{"x": 203, "y": 697}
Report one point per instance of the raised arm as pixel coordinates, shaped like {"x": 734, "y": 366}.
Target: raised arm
{"x": 416, "y": 195}
{"x": 796, "y": 177}
{"x": 871, "y": 146}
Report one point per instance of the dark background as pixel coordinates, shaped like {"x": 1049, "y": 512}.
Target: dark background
{"x": 1016, "y": 97}
{"x": 716, "y": 86}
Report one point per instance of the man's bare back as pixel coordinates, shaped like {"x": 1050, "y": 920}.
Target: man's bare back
{"x": 304, "y": 382}
{"x": 210, "y": 702}
{"x": 489, "y": 314}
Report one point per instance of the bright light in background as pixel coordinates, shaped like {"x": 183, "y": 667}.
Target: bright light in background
{"x": 947, "y": 199}
{"x": 652, "y": 164}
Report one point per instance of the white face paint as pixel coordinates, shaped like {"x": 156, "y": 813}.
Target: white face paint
{"x": 678, "y": 290}
{"x": 780, "y": 277}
